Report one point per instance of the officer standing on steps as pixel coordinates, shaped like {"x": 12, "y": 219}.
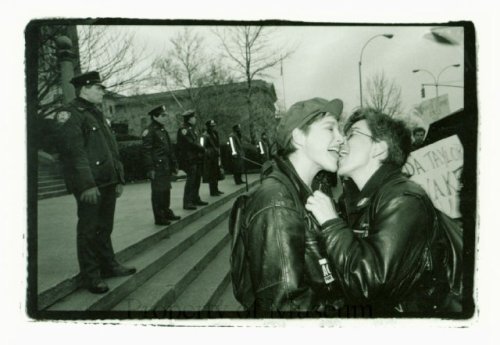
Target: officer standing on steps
{"x": 160, "y": 163}
{"x": 94, "y": 174}
{"x": 191, "y": 158}
{"x": 211, "y": 170}
{"x": 237, "y": 154}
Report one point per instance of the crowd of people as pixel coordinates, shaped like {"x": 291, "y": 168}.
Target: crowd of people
{"x": 304, "y": 249}
{"x": 95, "y": 174}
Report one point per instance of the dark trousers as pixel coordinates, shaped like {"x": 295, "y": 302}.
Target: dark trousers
{"x": 160, "y": 195}
{"x": 192, "y": 186}
{"x": 237, "y": 178}
{"x": 213, "y": 186}
{"x": 93, "y": 240}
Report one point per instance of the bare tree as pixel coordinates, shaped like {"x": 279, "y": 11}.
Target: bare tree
{"x": 114, "y": 53}
{"x": 183, "y": 67}
{"x": 187, "y": 66}
{"x": 384, "y": 95}
{"x": 252, "y": 53}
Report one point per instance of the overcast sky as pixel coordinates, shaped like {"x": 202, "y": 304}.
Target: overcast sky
{"x": 325, "y": 62}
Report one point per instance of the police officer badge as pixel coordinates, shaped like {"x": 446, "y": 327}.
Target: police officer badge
{"x": 63, "y": 116}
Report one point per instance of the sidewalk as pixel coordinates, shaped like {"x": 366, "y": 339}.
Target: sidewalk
{"x": 57, "y": 259}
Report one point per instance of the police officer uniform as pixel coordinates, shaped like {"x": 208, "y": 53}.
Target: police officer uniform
{"x": 191, "y": 161}
{"x": 91, "y": 160}
{"x": 237, "y": 154}
{"x": 211, "y": 170}
{"x": 160, "y": 162}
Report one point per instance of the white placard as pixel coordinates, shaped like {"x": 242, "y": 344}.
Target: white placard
{"x": 437, "y": 168}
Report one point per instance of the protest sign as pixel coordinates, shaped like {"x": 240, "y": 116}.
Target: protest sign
{"x": 437, "y": 168}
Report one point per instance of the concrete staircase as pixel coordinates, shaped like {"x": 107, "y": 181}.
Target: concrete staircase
{"x": 183, "y": 267}
{"x": 50, "y": 182}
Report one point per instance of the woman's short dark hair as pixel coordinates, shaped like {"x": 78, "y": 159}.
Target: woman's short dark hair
{"x": 394, "y": 132}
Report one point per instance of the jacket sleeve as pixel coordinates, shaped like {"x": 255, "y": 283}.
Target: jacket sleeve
{"x": 190, "y": 142}
{"x": 147, "y": 150}
{"x": 277, "y": 252}
{"x": 76, "y": 154}
{"x": 386, "y": 263}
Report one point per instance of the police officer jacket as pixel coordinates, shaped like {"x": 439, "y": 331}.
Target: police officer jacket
{"x": 158, "y": 153}
{"x": 188, "y": 146}
{"x": 380, "y": 252}
{"x": 89, "y": 151}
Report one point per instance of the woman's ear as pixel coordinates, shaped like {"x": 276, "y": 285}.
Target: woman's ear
{"x": 298, "y": 138}
{"x": 380, "y": 150}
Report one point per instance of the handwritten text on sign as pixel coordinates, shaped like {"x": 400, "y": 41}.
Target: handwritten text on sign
{"x": 437, "y": 168}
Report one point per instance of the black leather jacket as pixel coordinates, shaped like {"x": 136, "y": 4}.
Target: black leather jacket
{"x": 284, "y": 269}
{"x": 380, "y": 253}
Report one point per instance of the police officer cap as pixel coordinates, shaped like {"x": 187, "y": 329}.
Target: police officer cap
{"x": 87, "y": 79}
{"x": 210, "y": 123}
{"x": 158, "y": 111}
{"x": 188, "y": 113}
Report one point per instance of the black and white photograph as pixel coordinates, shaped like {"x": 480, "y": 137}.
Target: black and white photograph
{"x": 197, "y": 169}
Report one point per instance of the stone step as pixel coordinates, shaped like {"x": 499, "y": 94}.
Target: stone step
{"x": 52, "y": 188}
{"x": 158, "y": 293}
{"x": 206, "y": 289}
{"x": 147, "y": 263}
{"x": 215, "y": 211}
{"x": 227, "y": 302}
{"x": 50, "y": 182}
{"x": 53, "y": 194}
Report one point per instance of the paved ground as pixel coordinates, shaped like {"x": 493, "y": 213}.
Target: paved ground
{"x": 133, "y": 221}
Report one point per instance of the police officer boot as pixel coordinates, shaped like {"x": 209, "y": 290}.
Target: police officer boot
{"x": 189, "y": 207}
{"x": 199, "y": 202}
{"x": 171, "y": 215}
{"x": 162, "y": 221}
{"x": 96, "y": 285}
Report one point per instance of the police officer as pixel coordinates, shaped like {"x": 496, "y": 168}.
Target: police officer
{"x": 94, "y": 174}
{"x": 160, "y": 163}
{"x": 211, "y": 170}
{"x": 237, "y": 154}
{"x": 191, "y": 157}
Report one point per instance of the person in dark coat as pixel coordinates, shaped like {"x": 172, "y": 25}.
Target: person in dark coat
{"x": 160, "y": 163}
{"x": 211, "y": 170}
{"x": 191, "y": 155}
{"x": 381, "y": 252}
{"x": 94, "y": 174}
{"x": 237, "y": 154}
{"x": 286, "y": 269}
{"x": 418, "y": 138}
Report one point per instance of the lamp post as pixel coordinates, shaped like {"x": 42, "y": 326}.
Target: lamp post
{"x": 436, "y": 80}
{"x": 389, "y": 36}
{"x": 66, "y": 56}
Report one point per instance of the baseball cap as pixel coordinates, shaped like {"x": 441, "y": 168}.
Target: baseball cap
{"x": 303, "y": 111}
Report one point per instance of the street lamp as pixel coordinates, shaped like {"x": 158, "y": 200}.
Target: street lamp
{"x": 389, "y": 36}
{"x": 436, "y": 80}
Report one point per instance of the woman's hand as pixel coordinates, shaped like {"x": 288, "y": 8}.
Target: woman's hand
{"x": 321, "y": 206}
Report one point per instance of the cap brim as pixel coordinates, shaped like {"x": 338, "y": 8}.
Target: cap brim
{"x": 334, "y": 107}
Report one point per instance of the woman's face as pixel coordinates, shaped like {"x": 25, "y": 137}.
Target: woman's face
{"x": 322, "y": 143}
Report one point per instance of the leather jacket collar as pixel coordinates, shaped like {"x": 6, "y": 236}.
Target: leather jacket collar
{"x": 286, "y": 167}
{"x": 356, "y": 199}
